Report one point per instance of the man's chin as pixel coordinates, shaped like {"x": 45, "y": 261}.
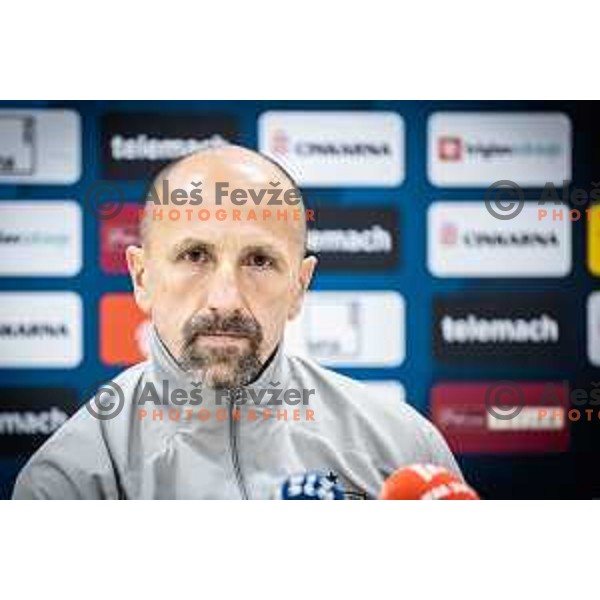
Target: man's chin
{"x": 222, "y": 363}
{"x": 221, "y": 348}
{"x": 231, "y": 371}
{"x": 221, "y": 341}
{"x": 221, "y": 377}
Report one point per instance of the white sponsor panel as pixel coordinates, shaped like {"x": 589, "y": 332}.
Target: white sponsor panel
{"x": 465, "y": 240}
{"x": 390, "y": 390}
{"x": 336, "y": 148}
{"x": 344, "y": 329}
{"x": 40, "y": 146}
{"x": 476, "y": 149}
{"x": 593, "y": 328}
{"x": 41, "y": 238}
{"x": 40, "y": 329}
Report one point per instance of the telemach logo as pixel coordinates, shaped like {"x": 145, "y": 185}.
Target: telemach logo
{"x": 144, "y": 147}
{"x": 30, "y": 422}
{"x": 353, "y": 239}
{"x": 371, "y": 240}
{"x": 523, "y": 330}
{"x": 137, "y": 146}
{"x": 29, "y": 415}
{"x": 473, "y": 329}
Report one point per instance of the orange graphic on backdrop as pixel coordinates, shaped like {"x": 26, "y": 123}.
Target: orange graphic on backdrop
{"x": 122, "y": 326}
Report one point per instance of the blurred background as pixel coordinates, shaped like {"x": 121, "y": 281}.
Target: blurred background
{"x": 421, "y": 291}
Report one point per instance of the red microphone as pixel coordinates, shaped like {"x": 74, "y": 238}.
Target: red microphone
{"x": 425, "y": 482}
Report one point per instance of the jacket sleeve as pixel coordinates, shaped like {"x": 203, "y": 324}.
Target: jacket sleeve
{"x": 439, "y": 452}
{"x": 74, "y": 464}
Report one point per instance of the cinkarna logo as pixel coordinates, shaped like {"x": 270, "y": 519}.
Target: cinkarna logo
{"x": 331, "y": 148}
{"x": 465, "y": 240}
{"x": 40, "y": 329}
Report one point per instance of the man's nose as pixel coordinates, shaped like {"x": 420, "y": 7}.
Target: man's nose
{"x": 224, "y": 293}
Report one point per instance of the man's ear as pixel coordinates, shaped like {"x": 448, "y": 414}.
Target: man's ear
{"x": 136, "y": 263}
{"x": 305, "y": 275}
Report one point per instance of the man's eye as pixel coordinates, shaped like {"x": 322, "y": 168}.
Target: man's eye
{"x": 195, "y": 256}
{"x": 260, "y": 261}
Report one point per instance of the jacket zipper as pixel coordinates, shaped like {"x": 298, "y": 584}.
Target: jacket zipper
{"x": 233, "y": 447}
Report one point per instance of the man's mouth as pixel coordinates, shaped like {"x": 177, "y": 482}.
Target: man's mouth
{"x": 224, "y": 334}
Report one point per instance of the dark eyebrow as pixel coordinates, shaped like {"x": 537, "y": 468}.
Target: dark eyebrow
{"x": 267, "y": 248}
{"x": 190, "y": 244}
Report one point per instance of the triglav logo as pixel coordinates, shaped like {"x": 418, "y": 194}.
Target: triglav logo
{"x": 456, "y": 149}
{"x": 41, "y": 238}
{"x": 138, "y": 145}
{"x": 343, "y": 329}
{"x": 450, "y": 148}
{"x": 336, "y": 147}
{"x": 475, "y": 149}
{"x": 39, "y": 146}
{"x": 465, "y": 240}
{"x": 40, "y": 329}
{"x": 355, "y": 238}
{"x": 523, "y": 330}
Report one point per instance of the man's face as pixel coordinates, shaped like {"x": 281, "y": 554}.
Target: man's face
{"x": 220, "y": 292}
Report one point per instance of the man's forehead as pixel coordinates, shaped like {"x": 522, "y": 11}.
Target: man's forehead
{"x": 217, "y": 174}
{"x": 239, "y": 237}
{"x": 229, "y": 164}
{"x": 224, "y": 234}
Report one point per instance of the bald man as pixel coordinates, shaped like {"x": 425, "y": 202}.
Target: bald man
{"x": 220, "y": 409}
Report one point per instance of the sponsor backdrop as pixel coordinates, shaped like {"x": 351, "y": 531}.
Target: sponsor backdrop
{"x": 424, "y": 292}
